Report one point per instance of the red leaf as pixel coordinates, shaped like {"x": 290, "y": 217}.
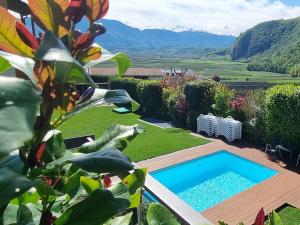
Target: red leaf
{"x": 82, "y": 41}
{"x": 106, "y": 181}
{"x": 40, "y": 152}
{"x": 260, "y": 218}
{"x": 27, "y": 37}
{"x": 76, "y": 10}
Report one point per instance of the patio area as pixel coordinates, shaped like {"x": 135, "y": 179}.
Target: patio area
{"x": 270, "y": 194}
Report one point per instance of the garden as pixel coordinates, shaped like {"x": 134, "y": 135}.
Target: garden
{"x": 268, "y": 116}
{"x": 42, "y": 182}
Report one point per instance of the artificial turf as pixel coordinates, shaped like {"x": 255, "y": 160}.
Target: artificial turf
{"x": 154, "y": 142}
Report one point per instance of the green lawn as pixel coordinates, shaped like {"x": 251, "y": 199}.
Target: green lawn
{"x": 154, "y": 142}
{"x": 290, "y": 216}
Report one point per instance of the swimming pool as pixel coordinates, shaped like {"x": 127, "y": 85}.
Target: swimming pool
{"x": 209, "y": 180}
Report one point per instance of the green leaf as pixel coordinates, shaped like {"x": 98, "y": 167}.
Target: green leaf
{"x": 105, "y": 161}
{"x": 159, "y": 215}
{"x": 135, "y": 183}
{"x": 55, "y": 146}
{"x": 89, "y": 184}
{"x": 120, "y": 190}
{"x": 135, "y": 180}
{"x": 24, "y": 216}
{"x": 4, "y": 65}
{"x": 68, "y": 70}
{"x": 72, "y": 184}
{"x": 122, "y": 60}
{"x": 21, "y": 63}
{"x": 18, "y": 108}
{"x": 12, "y": 185}
{"x": 12, "y": 162}
{"x": 97, "y": 208}
{"x": 274, "y": 219}
{"x": 45, "y": 191}
{"x": 110, "y": 137}
{"x": 120, "y": 220}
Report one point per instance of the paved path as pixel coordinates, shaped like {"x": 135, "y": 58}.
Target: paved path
{"x": 270, "y": 194}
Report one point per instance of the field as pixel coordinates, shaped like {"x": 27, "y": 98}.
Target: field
{"x": 229, "y": 71}
{"x": 154, "y": 142}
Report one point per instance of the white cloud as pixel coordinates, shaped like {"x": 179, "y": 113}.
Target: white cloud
{"x": 216, "y": 16}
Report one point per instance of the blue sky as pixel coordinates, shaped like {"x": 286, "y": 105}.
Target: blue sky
{"x": 291, "y": 2}
{"x": 229, "y": 17}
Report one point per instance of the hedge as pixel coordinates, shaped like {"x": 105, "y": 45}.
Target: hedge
{"x": 128, "y": 84}
{"x": 150, "y": 96}
{"x": 283, "y": 114}
{"x": 199, "y": 99}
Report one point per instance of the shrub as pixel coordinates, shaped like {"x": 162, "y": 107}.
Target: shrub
{"x": 254, "y": 109}
{"x": 283, "y": 113}
{"x": 222, "y": 98}
{"x": 128, "y": 84}
{"x": 177, "y": 108}
{"x": 150, "y": 97}
{"x": 237, "y": 106}
{"x": 164, "y": 112}
{"x": 199, "y": 97}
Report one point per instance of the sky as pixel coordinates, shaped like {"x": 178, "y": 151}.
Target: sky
{"x": 228, "y": 17}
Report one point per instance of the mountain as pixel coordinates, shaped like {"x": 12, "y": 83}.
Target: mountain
{"x": 120, "y": 36}
{"x": 271, "y": 46}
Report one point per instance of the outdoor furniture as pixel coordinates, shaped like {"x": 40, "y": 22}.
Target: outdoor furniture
{"x": 272, "y": 151}
{"x": 282, "y": 148}
{"x": 207, "y": 123}
{"x": 77, "y": 142}
{"x": 230, "y": 128}
{"x": 121, "y": 110}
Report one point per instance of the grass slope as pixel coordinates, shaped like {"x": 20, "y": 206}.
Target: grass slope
{"x": 154, "y": 142}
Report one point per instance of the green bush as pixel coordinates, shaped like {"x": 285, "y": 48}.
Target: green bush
{"x": 283, "y": 114}
{"x": 164, "y": 112}
{"x": 150, "y": 96}
{"x": 176, "y": 109}
{"x": 128, "y": 84}
{"x": 222, "y": 98}
{"x": 199, "y": 99}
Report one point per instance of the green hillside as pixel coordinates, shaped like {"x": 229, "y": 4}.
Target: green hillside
{"x": 271, "y": 46}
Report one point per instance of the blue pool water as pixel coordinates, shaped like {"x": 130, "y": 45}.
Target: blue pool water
{"x": 209, "y": 180}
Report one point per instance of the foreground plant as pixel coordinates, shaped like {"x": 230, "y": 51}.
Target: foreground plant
{"x": 41, "y": 182}
{"x": 273, "y": 219}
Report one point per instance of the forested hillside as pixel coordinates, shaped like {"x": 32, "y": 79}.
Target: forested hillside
{"x": 271, "y": 46}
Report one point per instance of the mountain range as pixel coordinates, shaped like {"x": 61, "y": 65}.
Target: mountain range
{"x": 120, "y": 36}
{"x": 271, "y": 46}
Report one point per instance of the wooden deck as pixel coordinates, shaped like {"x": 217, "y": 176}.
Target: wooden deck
{"x": 270, "y": 194}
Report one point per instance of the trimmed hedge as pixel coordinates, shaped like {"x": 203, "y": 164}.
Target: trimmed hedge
{"x": 150, "y": 95}
{"x": 128, "y": 84}
{"x": 199, "y": 97}
{"x": 283, "y": 114}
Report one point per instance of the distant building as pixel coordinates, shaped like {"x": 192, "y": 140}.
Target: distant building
{"x": 142, "y": 73}
{"x": 182, "y": 72}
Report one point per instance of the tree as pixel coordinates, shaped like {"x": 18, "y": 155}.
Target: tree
{"x": 41, "y": 182}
